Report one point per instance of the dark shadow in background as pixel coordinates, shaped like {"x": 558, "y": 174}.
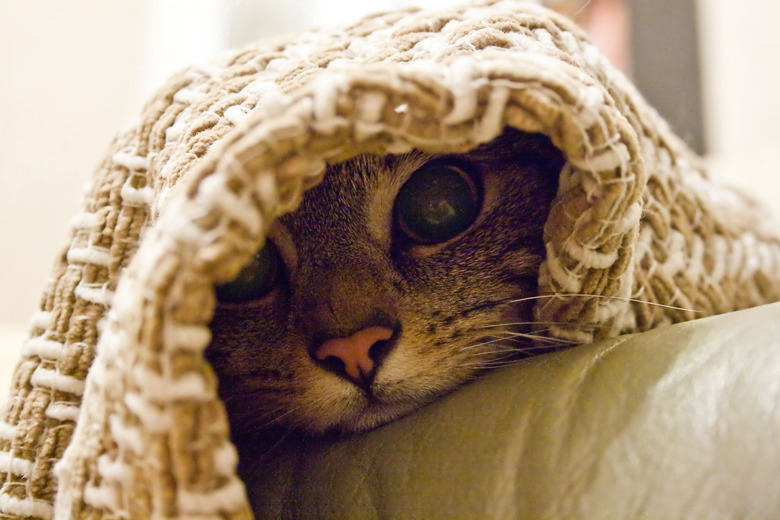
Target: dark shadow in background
{"x": 664, "y": 43}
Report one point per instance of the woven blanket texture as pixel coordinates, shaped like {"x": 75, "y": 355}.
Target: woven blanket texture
{"x": 114, "y": 412}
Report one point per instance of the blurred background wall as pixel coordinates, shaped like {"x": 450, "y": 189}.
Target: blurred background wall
{"x": 75, "y": 72}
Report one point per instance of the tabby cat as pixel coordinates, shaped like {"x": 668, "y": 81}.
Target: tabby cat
{"x": 396, "y": 280}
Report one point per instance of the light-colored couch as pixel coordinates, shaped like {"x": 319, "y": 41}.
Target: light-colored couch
{"x": 679, "y": 422}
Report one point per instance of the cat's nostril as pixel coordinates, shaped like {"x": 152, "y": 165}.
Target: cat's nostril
{"x": 356, "y": 356}
{"x": 379, "y": 349}
{"x": 334, "y": 364}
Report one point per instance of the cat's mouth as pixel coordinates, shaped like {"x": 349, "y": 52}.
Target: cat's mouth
{"x": 371, "y": 413}
{"x": 396, "y": 391}
{"x": 406, "y": 375}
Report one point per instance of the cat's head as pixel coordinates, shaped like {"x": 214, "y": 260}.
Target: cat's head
{"x": 397, "y": 279}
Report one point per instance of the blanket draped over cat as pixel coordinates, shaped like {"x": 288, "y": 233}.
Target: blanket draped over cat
{"x": 114, "y": 411}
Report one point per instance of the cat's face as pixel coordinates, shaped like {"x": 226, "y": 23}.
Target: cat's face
{"x": 394, "y": 282}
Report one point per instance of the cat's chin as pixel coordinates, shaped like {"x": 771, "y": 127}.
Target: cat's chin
{"x": 334, "y": 406}
{"x": 338, "y": 424}
{"x": 329, "y": 406}
{"x": 357, "y": 419}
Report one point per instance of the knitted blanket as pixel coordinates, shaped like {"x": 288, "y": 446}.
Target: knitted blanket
{"x": 114, "y": 411}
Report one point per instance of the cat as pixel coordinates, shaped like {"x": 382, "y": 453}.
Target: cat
{"x": 396, "y": 280}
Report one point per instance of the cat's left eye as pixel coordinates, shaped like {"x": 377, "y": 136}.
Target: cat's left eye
{"x": 256, "y": 280}
{"x": 438, "y": 202}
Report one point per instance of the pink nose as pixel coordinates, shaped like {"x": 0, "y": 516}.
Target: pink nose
{"x": 354, "y": 352}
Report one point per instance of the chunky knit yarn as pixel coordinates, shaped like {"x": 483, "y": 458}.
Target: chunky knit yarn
{"x": 114, "y": 412}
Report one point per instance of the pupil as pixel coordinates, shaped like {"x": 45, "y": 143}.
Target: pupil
{"x": 438, "y": 202}
{"x": 255, "y": 280}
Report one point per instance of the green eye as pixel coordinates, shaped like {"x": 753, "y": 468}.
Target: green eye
{"x": 438, "y": 202}
{"x": 255, "y": 280}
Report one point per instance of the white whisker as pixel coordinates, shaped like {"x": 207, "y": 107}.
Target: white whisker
{"x": 512, "y": 352}
{"x": 277, "y": 443}
{"x": 522, "y": 323}
{"x": 603, "y": 297}
{"x": 281, "y": 416}
{"x": 538, "y": 337}
{"x": 584, "y": 6}
{"x": 476, "y": 346}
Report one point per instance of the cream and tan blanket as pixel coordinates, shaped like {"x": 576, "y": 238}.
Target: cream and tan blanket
{"x": 114, "y": 412}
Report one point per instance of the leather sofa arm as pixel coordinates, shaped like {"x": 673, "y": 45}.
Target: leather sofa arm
{"x": 679, "y": 422}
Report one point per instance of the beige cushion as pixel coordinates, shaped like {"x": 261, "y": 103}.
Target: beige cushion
{"x": 679, "y": 422}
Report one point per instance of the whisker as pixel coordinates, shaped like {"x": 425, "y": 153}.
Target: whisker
{"x": 501, "y": 364}
{"x": 477, "y": 346}
{"x": 512, "y": 356}
{"x": 490, "y": 342}
{"x": 511, "y": 352}
{"x": 522, "y": 343}
{"x": 584, "y": 6}
{"x": 508, "y": 301}
{"x": 487, "y": 305}
{"x": 520, "y": 323}
{"x": 601, "y": 296}
{"x": 277, "y": 443}
{"x": 278, "y": 418}
{"x": 538, "y": 337}
{"x": 515, "y": 353}
{"x": 498, "y": 363}
{"x": 521, "y": 340}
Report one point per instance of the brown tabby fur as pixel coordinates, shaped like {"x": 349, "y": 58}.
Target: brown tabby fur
{"x": 457, "y": 306}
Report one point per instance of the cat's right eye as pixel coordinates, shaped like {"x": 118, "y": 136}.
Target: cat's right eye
{"x": 256, "y": 280}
